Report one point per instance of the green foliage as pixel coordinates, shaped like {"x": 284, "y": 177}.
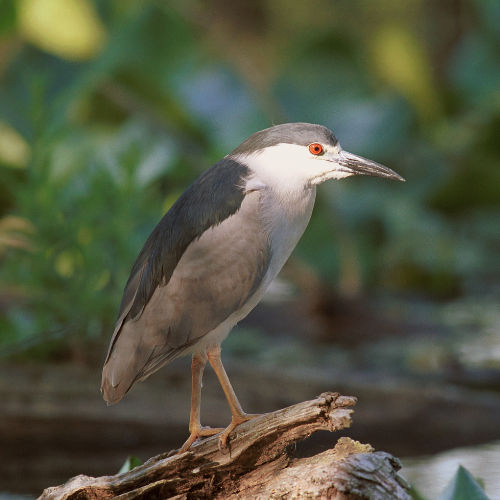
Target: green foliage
{"x": 130, "y": 463}
{"x": 91, "y": 214}
{"x": 415, "y": 494}
{"x": 8, "y": 17}
{"x": 98, "y": 137}
{"x": 463, "y": 487}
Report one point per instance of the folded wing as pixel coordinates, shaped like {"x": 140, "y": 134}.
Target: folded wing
{"x": 203, "y": 261}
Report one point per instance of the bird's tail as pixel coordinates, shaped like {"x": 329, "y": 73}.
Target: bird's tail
{"x": 131, "y": 359}
{"x": 124, "y": 365}
{"x": 116, "y": 381}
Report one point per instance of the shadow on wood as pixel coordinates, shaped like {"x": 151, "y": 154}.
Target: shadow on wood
{"x": 259, "y": 464}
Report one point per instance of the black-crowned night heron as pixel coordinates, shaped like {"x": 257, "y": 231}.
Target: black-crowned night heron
{"x": 210, "y": 259}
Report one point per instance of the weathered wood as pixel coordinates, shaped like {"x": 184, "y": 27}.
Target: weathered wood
{"x": 258, "y": 464}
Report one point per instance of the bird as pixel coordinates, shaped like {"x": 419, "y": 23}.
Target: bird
{"x": 212, "y": 256}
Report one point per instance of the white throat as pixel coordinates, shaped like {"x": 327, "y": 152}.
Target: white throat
{"x": 280, "y": 168}
{"x": 286, "y": 198}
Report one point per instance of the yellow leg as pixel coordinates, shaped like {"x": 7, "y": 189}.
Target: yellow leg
{"x": 195, "y": 429}
{"x": 238, "y": 415}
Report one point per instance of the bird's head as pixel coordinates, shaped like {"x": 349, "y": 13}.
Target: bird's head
{"x": 299, "y": 155}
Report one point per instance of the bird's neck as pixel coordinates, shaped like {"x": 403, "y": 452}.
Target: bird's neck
{"x": 285, "y": 218}
{"x": 286, "y": 201}
{"x": 294, "y": 205}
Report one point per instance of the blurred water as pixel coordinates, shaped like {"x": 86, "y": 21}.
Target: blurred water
{"x": 430, "y": 475}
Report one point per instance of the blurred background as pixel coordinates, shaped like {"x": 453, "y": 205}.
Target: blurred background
{"x": 109, "y": 109}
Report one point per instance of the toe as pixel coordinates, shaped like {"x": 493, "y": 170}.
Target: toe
{"x": 209, "y": 431}
{"x": 190, "y": 440}
{"x": 249, "y": 416}
{"x": 199, "y": 433}
{"x": 237, "y": 420}
{"x": 223, "y": 440}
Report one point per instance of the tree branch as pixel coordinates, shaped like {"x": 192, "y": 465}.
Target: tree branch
{"x": 258, "y": 464}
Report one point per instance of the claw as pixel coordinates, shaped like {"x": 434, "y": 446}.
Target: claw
{"x": 236, "y": 420}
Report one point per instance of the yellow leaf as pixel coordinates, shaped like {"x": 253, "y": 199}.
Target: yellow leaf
{"x": 14, "y": 150}
{"x": 66, "y": 263}
{"x": 402, "y": 62}
{"x": 67, "y": 28}
{"x": 15, "y": 223}
{"x": 15, "y": 233}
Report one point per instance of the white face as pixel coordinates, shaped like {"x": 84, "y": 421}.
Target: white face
{"x": 291, "y": 167}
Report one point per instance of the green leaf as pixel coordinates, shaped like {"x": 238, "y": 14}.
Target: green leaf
{"x": 8, "y": 17}
{"x": 415, "y": 494}
{"x": 463, "y": 487}
{"x": 129, "y": 464}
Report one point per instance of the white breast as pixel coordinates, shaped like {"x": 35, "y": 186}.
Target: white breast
{"x": 285, "y": 220}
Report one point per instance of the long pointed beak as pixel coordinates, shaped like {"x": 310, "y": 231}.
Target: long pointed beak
{"x": 357, "y": 165}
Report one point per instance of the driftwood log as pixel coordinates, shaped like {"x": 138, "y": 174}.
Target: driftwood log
{"x": 259, "y": 464}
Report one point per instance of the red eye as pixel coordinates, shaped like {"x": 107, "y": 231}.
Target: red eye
{"x": 315, "y": 148}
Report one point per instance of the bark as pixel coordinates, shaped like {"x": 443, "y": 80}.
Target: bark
{"x": 258, "y": 464}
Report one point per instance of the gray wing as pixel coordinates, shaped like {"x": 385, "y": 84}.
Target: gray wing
{"x": 214, "y": 196}
{"x": 167, "y": 306}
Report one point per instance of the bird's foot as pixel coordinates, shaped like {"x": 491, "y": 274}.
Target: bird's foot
{"x": 236, "y": 420}
{"x": 197, "y": 433}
